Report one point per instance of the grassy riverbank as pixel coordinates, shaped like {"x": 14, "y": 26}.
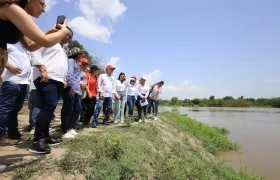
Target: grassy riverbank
{"x": 174, "y": 147}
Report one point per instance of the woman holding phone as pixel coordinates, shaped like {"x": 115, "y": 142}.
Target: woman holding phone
{"x": 16, "y": 25}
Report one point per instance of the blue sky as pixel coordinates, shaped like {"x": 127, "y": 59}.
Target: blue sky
{"x": 199, "y": 48}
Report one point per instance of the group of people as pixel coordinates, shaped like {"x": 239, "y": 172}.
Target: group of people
{"x": 34, "y": 60}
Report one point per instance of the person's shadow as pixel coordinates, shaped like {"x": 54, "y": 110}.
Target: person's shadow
{"x": 12, "y": 160}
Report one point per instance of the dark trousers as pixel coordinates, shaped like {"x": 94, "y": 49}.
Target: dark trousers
{"x": 107, "y": 104}
{"x": 50, "y": 93}
{"x": 11, "y": 101}
{"x": 141, "y": 108}
{"x": 130, "y": 104}
{"x": 89, "y": 110}
{"x": 70, "y": 111}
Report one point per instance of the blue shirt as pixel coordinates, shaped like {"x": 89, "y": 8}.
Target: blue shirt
{"x": 74, "y": 76}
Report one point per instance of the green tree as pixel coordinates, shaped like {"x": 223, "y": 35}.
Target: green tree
{"x": 228, "y": 98}
{"x": 174, "y": 101}
{"x": 212, "y": 97}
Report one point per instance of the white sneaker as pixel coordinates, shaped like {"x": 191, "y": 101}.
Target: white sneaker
{"x": 68, "y": 136}
{"x": 122, "y": 121}
{"x": 32, "y": 131}
{"x": 116, "y": 122}
{"x": 149, "y": 116}
{"x": 73, "y": 132}
{"x": 140, "y": 120}
{"x": 156, "y": 118}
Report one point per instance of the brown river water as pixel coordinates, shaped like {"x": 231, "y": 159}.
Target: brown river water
{"x": 256, "y": 129}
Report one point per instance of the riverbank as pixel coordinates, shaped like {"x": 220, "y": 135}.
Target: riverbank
{"x": 174, "y": 147}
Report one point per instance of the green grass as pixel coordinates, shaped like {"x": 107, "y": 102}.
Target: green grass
{"x": 213, "y": 138}
{"x": 145, "y": 151}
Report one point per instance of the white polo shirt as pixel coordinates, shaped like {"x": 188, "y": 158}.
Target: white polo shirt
{"x": 55, "y": 60}
{"x": 17, "y": 57}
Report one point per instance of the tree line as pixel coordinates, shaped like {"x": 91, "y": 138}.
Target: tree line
{"x": 227, "y": 101}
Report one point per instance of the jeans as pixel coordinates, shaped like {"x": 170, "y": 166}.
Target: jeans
{"x": 107, "y": 104}
{"x": 11, "y": 102}
{"x": 70, "y": 111}
{"x": 119, "y": 107}
{"x": 141, "y": 108}
{"x": 153, "y": 103}
{"x": 49, "y": 95}
{"x": 34, "y": 104}
{"x": 130, "y": 104}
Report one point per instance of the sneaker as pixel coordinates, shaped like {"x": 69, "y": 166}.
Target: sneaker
{"x": 2, "y": 167}
{"x": 94, "y": 124}
{"x": 68, "y": 136}
{"x": 73, "y": 132}
{"x": 122, "y": 121}
{"x": 116, "y": 122}
{"x": 140, "y": 120}
{"x": 156, "y": 118}
{"x": 149, "y": 116}
{"x": 53, "y": 141}
{"x": 32, "y": 131}
{"x": 40, "y": 147}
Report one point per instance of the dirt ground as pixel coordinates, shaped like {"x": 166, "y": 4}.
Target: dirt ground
{"x": 17, "y": 156}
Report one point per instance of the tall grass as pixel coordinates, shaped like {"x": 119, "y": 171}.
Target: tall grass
{"x": 213, "y": 138}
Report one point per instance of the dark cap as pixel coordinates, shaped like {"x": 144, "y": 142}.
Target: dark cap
{"x": 94, "y": 68}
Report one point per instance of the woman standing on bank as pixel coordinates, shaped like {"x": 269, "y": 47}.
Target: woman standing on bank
{"x": 91, "y": 88}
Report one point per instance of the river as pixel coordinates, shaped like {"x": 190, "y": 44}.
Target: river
{"x": 256, "y": 129}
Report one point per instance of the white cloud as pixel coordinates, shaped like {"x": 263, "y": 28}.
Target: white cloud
{"x": 182, "y": 90}
{"x": 114, "y": 60}
{"x": 98, "y": 17}
{"x": 50, "y": 4}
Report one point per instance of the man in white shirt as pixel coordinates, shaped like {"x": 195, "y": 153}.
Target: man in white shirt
{"x": 107, "y": 91}
{"x": 49, "y": 79}
{"x": 14, "y": 88}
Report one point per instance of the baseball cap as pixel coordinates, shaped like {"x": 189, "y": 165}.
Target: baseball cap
{"x": 144, "y": 78}
{"x": 110, "y": 67}
{"x": 94, "y": 68}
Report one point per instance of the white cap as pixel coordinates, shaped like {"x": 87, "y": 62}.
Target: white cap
{"x": 143, "y": 77}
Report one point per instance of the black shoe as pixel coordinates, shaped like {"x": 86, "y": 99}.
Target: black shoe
{"x": 40, "y": 147}
{"x": 53, "y": 141}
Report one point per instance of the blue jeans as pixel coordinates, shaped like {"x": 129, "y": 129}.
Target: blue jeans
{"x": 131, "y": 103}
{"x": 153, "y": 103}
{"x": 119, "y": 107}
{"x": 107, "y": 104}
{"x": 11, "y": 101}
{"x": 70, "y": 111}
{"x": 35, "y": 103}
{"x": 49, "y": 95}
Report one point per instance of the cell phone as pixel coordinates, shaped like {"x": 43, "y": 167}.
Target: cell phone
{"x": 60, "y": 20}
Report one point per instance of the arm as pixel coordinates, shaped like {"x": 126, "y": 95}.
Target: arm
{"x": 70, "y": 78}
{"x": 27, "y": 26}
{"x": 137, "y": 92}
{"x": 99, "y": 86}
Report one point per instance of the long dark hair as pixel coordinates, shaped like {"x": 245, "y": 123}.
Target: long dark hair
{"x": 20, "y": 3}
{"x": 119, "y": 78}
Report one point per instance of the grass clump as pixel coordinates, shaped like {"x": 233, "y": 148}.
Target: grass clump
{"x": 144, "y": 151}
{"x": 213, "y": 139}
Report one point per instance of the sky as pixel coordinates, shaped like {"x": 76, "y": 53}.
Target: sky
{"x": 199, "y": 48}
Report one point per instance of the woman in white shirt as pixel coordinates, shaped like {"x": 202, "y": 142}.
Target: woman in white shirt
{"x": 121, "y": 86}
{"x": 154, "y": 97}
{"x": 131, "y": 96}
{"x": 141, "y": 102}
